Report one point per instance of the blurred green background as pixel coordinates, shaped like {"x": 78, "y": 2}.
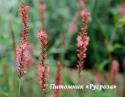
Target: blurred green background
{"x": 106, "y": 30}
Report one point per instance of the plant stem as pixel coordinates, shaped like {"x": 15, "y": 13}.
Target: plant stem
{"x": 43, "y": 94}
{"x": 13, "y": 39}
{"x": 19, "y": 87}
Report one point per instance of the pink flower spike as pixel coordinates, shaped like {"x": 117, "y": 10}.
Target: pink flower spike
{"x": 24, "y": 49}
{"x": 114, "y": 71}
{"x": 42, "y": 7}
{"x": 72, "y": 27}
{"x": 98, "y": 78}
{"x": 43, "y": 70}
{"x": 82, "y": 41}
{"x": 121, "y": 10}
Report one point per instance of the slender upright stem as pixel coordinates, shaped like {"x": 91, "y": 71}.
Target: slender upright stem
{"x": 43, "y": 94}
{"x": 13, "y": 39}
{"x": 20, "y": 87}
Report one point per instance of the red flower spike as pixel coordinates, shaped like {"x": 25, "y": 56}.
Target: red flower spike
{"x": 114, "y": 71}
{"x": 72, "y": 27}
{"x": 82, "y": 41}
{"x": 98, "y": 78}
{"x": 42, "y": 7}
{"x": 43, "y": 70}
{"x": 42, "y": 10}
{"x": 24, "y": 49}
{"x": 58, "y": 80}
